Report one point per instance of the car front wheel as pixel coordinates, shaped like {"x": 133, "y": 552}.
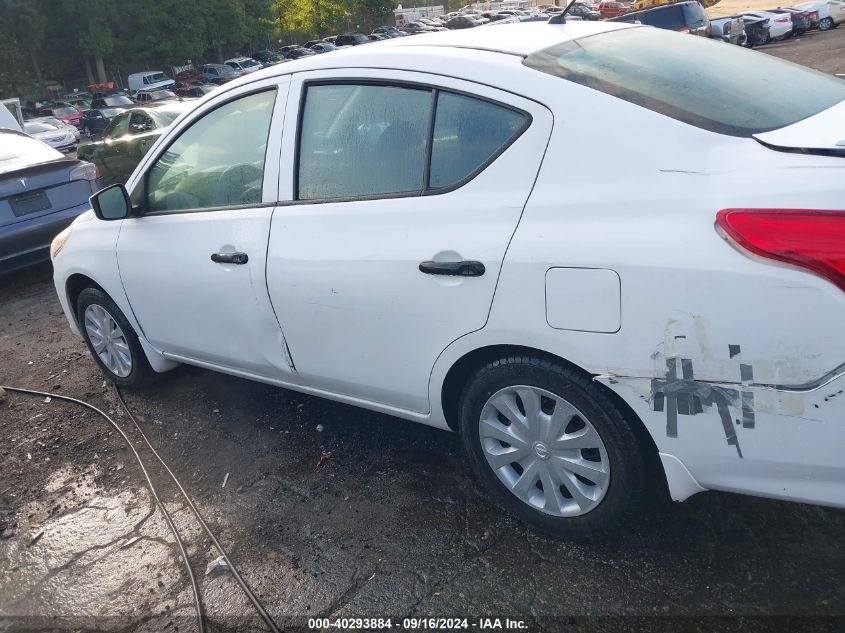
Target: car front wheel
{"x": 826, "y": 24}
{"x": 551, "y": 447}
{"x": 111, "y": 339}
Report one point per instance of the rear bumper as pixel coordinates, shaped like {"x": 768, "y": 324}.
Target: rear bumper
{"x": 26, "y": 243}
{"x": 778, "y": 442}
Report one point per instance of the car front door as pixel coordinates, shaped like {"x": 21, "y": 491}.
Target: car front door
{"x": 379, "y": 258}
{"x": 193, "y": 261}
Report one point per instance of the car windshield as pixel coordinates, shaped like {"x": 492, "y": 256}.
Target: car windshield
{"x": 161, "y": 94}
{"x": 65, "y": 111}
{"x": 249, "y": 63}
{"x": 157, "y": 77}
{"x": 118, "y": 100}
{"x": 111, "y": 112}
{"x": 686, "y": 78}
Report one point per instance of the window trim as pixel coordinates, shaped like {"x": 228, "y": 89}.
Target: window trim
{"x": 401, "y": 83}
{"x": 144, "y": 192}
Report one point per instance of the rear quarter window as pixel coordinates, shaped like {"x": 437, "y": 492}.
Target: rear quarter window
{"x": 693, "y": 79}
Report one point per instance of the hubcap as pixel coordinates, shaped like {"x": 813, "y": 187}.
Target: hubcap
{"x": 108, "y": 341}
{"x": 544, "y": 450}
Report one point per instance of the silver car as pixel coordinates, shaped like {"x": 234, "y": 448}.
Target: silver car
{"x": 60, "y": 139}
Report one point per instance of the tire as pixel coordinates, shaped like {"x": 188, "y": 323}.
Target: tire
{"x": 587, "y": 412}
{"x": 94, "y": 305}
{"x": 826, "y": 24}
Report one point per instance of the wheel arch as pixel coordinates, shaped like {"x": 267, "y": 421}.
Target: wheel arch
{"x": 462, "y": 368}
{"x": 75, "y": 284}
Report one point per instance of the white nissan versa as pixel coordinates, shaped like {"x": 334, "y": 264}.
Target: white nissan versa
{"x": 442, "y": 229}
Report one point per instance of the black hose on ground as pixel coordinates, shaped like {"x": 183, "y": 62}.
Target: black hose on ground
{"x": 54, "y": 396}
{"x": 249, "y": 594}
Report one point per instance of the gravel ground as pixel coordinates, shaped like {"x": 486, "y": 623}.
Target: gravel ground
{"x": 389, "y": 524}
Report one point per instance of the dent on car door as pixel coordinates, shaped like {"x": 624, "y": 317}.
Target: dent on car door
{"x": 380, "y": 257}
{"x": 192, "y": 263}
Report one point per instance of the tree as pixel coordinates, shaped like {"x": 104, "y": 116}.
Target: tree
{"x": 375, "y": 12}
{"x": 23, "y": 24}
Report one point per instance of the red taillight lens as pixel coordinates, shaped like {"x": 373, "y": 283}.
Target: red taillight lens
{"x": 782, "y": 19}
{"x": 684, "y": 29}
{"x": 811, "y": 239}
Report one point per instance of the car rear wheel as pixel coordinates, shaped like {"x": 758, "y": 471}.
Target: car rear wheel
{"x": 111, "y": 339}
{"x": 826, "y": 24}
{"x": 551, "y": 447}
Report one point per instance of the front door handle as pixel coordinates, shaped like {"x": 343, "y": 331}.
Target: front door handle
{"x": 455, "y": 269}
{"x": 229, "y": 258}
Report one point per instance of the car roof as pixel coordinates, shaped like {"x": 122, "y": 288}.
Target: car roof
{"x": 514, "y": 39}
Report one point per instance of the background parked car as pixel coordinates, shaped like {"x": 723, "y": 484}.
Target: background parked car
{"x": 780, "y": 25}
{"x": 299, "y": 51}
{"x": 831, "y": 13}
{"x": 151, "y": 96}
{"x": 461, "y": 22}
{"x": 66, "y": 113}
{"x": 756, "y": 31}
{"x": 686, "y": 17}
{"x": 194, "y": 89}
{"x": 267, "y": 58}
{"x": 148, "y": 80}
{"x": 322, "y": 47}
{"x": 187, "y": 76}
{"x": 243, "y": 64}
{"x": 112, "y": 101}
{"x": 61, "y": 125}
{"x": 390, "y": 31}
{"x": 583, "y": 11}
{"x": 95, "y": 121}
{"x": 219, "y": 73}
{"x": 43, "y": 191}
{"x": 62, "y": 140}
{"x": 351, "y": 39}
{"x": 801, "y": 22}
{"x": 415, "y": 28}
{"x": 610, "y": 9}
{"x": 127, "y": 138}
{"x": 730, "y": 29}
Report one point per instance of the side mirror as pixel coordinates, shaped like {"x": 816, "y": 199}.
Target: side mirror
{"x": 111, "y": 203}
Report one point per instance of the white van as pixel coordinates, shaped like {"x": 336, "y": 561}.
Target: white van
{"x": 148, "y": 80}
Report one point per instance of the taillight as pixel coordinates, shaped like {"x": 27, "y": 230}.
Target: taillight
{"x": 783, "y": 19}
{"x": 811, "y": 239}
{"x": 684, "y": 29}
{"x": 84, "y": 171}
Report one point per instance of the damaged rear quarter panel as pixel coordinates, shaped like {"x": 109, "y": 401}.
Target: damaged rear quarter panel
{"x": 740, "y": 346}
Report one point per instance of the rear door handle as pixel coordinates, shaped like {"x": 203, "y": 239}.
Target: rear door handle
{"x": 229, "y": 258}
{"x": 455, "y": 269}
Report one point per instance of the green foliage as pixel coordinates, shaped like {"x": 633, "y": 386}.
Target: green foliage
{"x": 66, "y": 39}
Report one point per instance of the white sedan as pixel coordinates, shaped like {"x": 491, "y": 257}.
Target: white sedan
{"x": 780, "y": 24}
{"x": 58, "y": 138}
{"x": 59, "y": 125}
{"x": 831, "y": 12}
{"x": 408, "y": 228}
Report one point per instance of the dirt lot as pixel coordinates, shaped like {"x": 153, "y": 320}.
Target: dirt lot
{"x": 391, "y": 524}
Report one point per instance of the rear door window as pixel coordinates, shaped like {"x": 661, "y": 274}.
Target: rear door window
{"x": 362, "y": 140}
{"x": 687, "y": 78}
{"x": 468, "y": 134}
{"x": 370, "y": 140}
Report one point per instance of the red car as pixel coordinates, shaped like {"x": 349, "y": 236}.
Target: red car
{"x": 63, "y": 111}
{"x": 612, "y": 9}
{"x": 187, "y": 76}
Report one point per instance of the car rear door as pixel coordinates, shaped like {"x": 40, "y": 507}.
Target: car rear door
{"x": 367, "y": 232}
{"x": 193, "y": 263}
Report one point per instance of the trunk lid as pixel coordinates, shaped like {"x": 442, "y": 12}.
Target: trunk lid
{"x": 822, "y": 133}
